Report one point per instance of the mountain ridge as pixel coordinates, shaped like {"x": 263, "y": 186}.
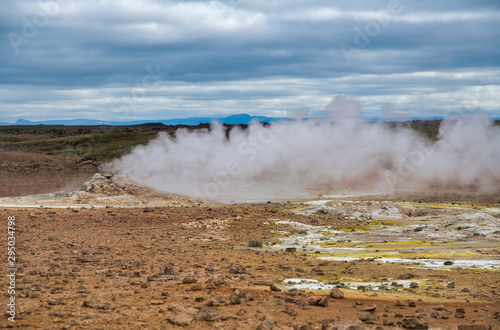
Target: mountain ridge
{"x": 232, "y": 119}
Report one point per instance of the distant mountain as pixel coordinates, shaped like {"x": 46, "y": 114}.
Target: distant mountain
{"x": 233, "y": 120}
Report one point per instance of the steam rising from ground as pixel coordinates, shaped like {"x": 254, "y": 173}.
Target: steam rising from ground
{"x": 337, "y": 154}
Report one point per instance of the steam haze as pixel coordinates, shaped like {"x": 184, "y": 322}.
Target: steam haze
{"x": 339, "y": 153}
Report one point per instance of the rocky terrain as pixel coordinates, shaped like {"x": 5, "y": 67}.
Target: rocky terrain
{"x": 116, "y": 255}
{"x": 97, "y": 251}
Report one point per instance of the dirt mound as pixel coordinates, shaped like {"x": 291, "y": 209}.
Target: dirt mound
{"x": 110, "y": 184}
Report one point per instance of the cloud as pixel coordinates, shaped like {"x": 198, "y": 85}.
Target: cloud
{"x": 64, "y": 46}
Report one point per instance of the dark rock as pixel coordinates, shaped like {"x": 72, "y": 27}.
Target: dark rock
{"x": 451, "y": 285}
{"x": 169, "y": 270}
{"x": 234, "y": 299}
{"x": 97, "y": 304}
{"x": 254, "y": 243}
{"x": 369, "y": 318}
{"x": 237, "y": 269}
{"x": 211, "y": 315}
{"x": 54, "y": 302}
{"x": 318, "y": 301}
{"x": 448, "y": 263}
{"x": 400, "y": 304}
{"x": 413, "y": 324}
{"x": 289, "y": 311}
{"x": 290, "y": 249}
{"x": 275, "y": 288}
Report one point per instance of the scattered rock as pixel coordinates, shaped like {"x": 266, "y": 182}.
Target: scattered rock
{"x": 234, "y": 299}
{"x": 318, "y": 301}
{"x": 180, "y": 319}
{"x": 345, "y": 324}
{"x": 266, "y": 325}
{"x": 189, "y": 280}
{"x": 98, "y": 304}
{"x": 413, "y": 324}
{"x": 60, "y": 314}
{"x": 211, "y": 315}
{"x": 289, "y": 311}
{"x": 290, "y": 249}
{"x": 237, "y": 269}
{"x": 369, "y": 308}
{"x": 448, "y": 263}
{"x": 54, "y": 302}
{"x": 179, "y": 309}
{"x": 451, "y": 285}
{"x": 254, "y": 243}
{"x": 169, "y": 270}
{"x": 369, "y": 318}
{"x": 274, "y": 288}
{"x": 336, "y": 293}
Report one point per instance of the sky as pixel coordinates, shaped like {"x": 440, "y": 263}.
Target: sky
{"x": 146, "y": 60}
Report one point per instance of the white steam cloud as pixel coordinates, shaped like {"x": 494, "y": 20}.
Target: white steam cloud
{"x": 337, "y": 154}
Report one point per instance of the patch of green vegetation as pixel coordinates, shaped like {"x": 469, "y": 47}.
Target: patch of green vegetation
{"x": 10, "y": 139}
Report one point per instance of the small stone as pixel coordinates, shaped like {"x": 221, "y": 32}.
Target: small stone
{"x": 414, "y": 324}
{"x": 234, "y": 299}
{"x": 370, "y": 308}
{"x": 289, "y": 311}
{"x": 189, "y": 280}
{"x": 196, "y": 287}
{"x": 369, "y": 318}
{"x": 275, "y": 288}
{"x": 400, "y": 304}
{"x": 290, "y": 249}
{"x": 97, "y": 304}
{"x": 451, "y": 285}
{"x": 180, "y": 319}
{"x": 318, "y": 301}
{"x": 413, "y": 285}
{"x": 169, "y": 270}
{"x": 254, "y": 243}
{"x": 266, "y": 325}
{"x": 448, "y": 263}
{"x": 336, "y": 293}
{"x": 237, "y": 269}
{"x": 54, "y": 302}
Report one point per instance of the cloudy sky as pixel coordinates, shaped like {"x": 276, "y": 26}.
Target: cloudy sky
{"x": 131, "y": 59}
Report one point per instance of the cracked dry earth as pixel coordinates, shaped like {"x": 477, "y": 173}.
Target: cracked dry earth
{"x": 187, "y": 264}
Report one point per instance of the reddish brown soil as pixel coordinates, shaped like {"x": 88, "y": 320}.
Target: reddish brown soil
{"x": 70, "y": 258}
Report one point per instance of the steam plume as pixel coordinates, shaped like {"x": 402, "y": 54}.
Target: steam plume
{"x": 338, "y": 153}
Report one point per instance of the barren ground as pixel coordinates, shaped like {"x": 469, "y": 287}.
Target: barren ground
{"x": 116, "y": 255}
